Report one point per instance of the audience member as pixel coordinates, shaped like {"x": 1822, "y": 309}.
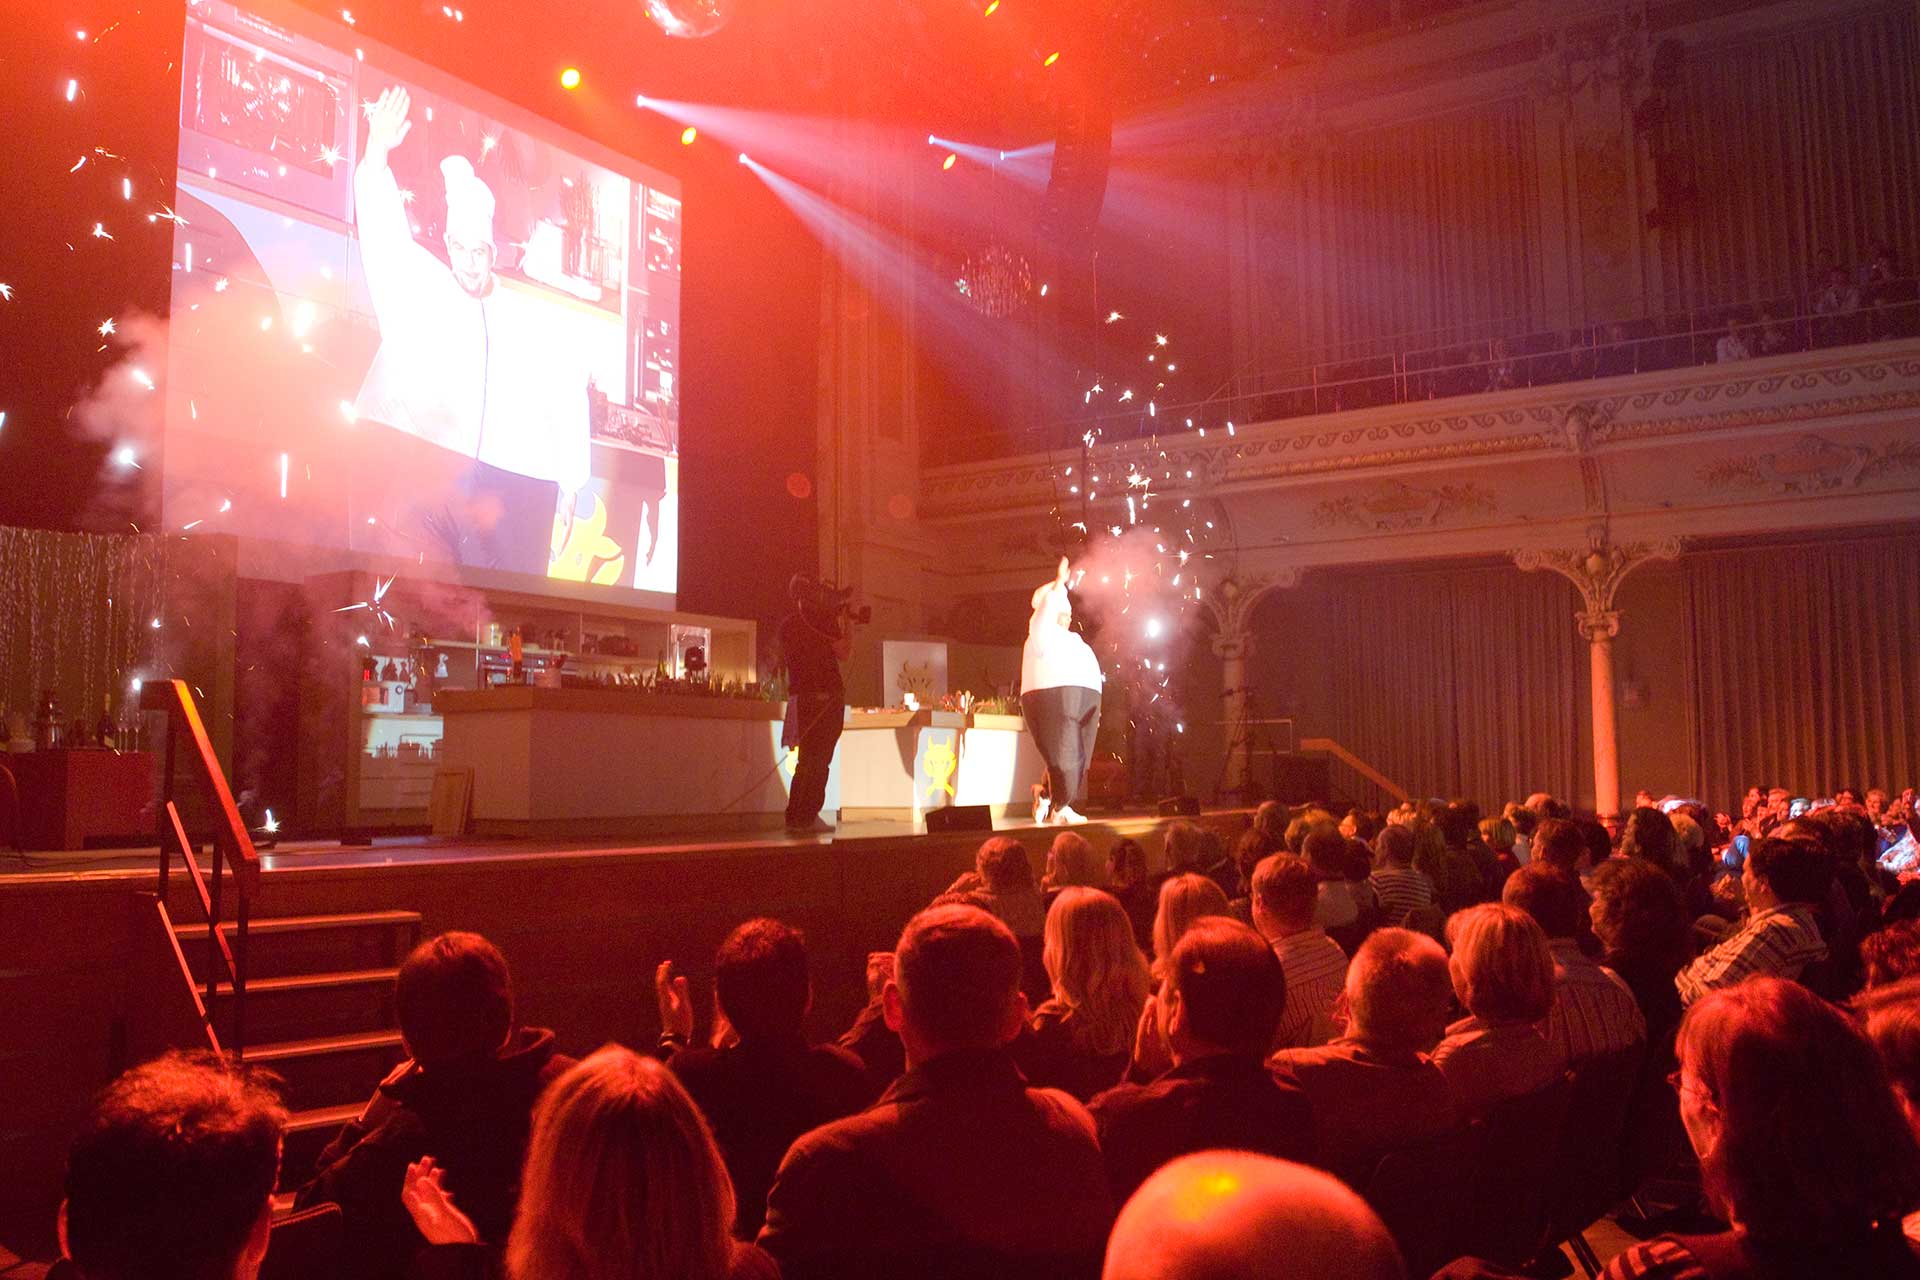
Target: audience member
{"x": 1558, "y": 842}
{"x": 1138, "y": 892}
{"x": 1892, "y": 1015}
{"x": 1399, "y": 886}
{"x": 1783, "y": 881}
{"x": 171, "y": 1176}
{"x": 1194, "y": 849}
{"x": 1226, "y": 1215}
{"x": 1800, "y": 1143}
{"x": 959, "y": 1169}
{"x": 1524, "y": 821}
{"x": 623, "y": 1181}
{"x": 1071, "y": 863}
{"x": 869, "y": 1038}
{"x": 1891, "y": 954}
{"x": 464, "y": 1095}
{"x": 1183, "y": 899}
{"x": 1641, "y": 923}
{"x": 1284, "y": 897}
{"x": 769, "y": 1087}
{"x": 1222, "y": 999}
{"x": 1003, "y": 874}
{"x": 1335, "y": 906}
{"x": 1498, "y": 834}
{"x": 1503, "y": 976}
{"x": 1081, "y": 1039}
{"x": 1374, "y": 1089}
{"x": 1733, "y": 344}
{"x": 1649, "y": 835}
{"x": 1594, "y": 1011}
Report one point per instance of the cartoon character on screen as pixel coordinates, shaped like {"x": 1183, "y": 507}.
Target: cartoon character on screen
{"x": 465, "y": 362}
{"x": 1060, "y": 683}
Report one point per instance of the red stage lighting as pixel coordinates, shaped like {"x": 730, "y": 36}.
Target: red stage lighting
{"x": 687, "y": 135}
{"x": 570, "y": 78}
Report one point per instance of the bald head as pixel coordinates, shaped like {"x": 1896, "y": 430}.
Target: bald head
{"x": 1232, "y": 1215}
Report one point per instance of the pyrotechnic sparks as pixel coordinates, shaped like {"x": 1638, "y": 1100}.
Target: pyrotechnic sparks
{"x": 107, "y": 329}
{"x": 329, "y": 155}
{"x": 6, "y": 292}
{"x": 488, "y": 141}
{"x": 1114, "y": 317}
{"x": 76, "y": 165}
{"x": 100, "y": 232}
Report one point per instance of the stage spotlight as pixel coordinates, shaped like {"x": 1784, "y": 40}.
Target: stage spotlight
{"x": 570, "y": 78}
{"x": 743, "y": 157}
{"x": 687, "y": 135}
{"x": 932, "y": 141}
{"x": 1051, "y": 58}
{"x": 950, "y": 161}
{"x": 1153, "y": 628}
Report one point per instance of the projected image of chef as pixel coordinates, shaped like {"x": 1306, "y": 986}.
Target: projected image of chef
{"x": 465, "y": 362}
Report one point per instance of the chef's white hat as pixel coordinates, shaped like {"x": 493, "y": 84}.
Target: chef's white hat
{"x": 469, "y": 202}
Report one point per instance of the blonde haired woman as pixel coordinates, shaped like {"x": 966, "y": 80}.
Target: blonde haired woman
{"x": 1081, "y": 1038}
{"x": 622, "y": 1182}
{"x": 1503, "y": 973}
{"x": 1183, "y": 900}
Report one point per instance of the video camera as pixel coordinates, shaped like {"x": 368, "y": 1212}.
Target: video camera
{"x": 829, "y": 599}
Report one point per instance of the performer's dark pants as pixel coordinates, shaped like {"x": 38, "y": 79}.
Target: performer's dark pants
{"x": 1063, "y": 723}
{"x": 813, "y": 725}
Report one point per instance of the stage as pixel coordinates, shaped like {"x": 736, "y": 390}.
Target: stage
{"x": 583, "y": 924}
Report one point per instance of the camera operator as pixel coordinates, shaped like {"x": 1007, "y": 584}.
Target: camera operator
{"x": 813, "y": 643}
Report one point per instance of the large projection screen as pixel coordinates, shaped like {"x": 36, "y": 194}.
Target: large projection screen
{"x": 412, "y": 325}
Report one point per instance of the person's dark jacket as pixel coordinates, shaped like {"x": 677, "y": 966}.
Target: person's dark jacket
{"x": 472, "y": 1118}
{"x": 759, "y": 1097}
{"x": 960, "y": 1170}
{"x": 1141, "y": 900}
{"x": 1051, "y": 1056}
{"x": 1228, "y": 1100}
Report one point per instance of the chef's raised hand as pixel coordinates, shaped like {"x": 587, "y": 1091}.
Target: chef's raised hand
{"x": 387, "y": 124}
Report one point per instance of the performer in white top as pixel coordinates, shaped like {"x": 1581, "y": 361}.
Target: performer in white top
{"x": 464, "y": 361}
{"x": 1060, "y": 684}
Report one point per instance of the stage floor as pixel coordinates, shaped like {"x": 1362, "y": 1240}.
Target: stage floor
{"x": 419, "y": 850}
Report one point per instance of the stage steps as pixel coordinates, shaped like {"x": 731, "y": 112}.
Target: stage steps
{"x": 320, "y": 1014}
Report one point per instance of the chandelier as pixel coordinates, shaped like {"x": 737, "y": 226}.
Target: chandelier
{"x": 995, "y": 280}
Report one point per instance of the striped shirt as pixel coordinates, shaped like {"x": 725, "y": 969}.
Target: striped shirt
{"x": 1594, "y": 1011}
{"x": 1779, "y": 942}
{"x": 1401, "y": 889}
{"x": 1316, "y": 970}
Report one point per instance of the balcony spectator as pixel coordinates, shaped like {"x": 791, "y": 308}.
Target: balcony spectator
{"x": 1838, "y": 306}
{"x": 1733, "y": 344}
{"x": 1772, "y": 338}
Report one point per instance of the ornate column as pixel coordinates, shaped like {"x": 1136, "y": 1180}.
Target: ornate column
{"x": 1598, "y": 572}
{"x": 1232, "y": 605}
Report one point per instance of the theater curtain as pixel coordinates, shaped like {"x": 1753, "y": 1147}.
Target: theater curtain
{"x": 1803, "y": 666}
{"x": 1459, "y": 682}
{"x": 1421, "y": 226}
{"x": 1798, "y": 143}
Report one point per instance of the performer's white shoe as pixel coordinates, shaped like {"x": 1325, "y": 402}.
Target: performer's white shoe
{"x": 1066, "y": 817}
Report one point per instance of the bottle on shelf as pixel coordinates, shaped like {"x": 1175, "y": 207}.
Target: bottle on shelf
{"x": 103, "y": 731}
{"x": 47, "y": 726}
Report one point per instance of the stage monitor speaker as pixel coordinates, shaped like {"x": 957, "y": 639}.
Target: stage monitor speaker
{"x": 960, "y": 817}
{"x": 1299, "y": 778}
{"x": 1180, "y": 807}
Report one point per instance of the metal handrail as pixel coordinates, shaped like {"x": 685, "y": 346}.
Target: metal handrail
{"x": 1446, "y": 371}
{"x": 230, "y": 844}
{"x": 1328, "y": 746}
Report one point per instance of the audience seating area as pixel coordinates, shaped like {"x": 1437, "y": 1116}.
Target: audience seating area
{"x": 1087, "y": 1068}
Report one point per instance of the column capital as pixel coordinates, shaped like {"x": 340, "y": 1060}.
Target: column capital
{"x": 1598, "y": 569}
{"x": 1598, "y": 626}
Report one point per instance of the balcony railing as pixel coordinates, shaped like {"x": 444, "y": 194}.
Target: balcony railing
{"x": 1498, "y": 361}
